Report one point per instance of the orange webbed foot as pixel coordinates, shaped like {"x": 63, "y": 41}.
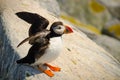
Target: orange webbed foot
{"x": 53, "y": 68}
{"x": 47, "y": 72}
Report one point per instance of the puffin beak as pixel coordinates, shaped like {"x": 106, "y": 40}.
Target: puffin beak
{"x": 68, "y": 30}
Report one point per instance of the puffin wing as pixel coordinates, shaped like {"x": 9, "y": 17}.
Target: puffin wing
{"x": 30, "y": 17}
{"x": 34, "y": 53}
{"x": 42, "y": 34}
{"x": 34, "y": 18}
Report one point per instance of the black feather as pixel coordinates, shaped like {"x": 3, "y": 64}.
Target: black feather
{"x": 38, "y": 22}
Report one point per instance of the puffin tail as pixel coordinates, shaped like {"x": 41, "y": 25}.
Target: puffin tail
{"x": 25, "y": 60}
{"x": 21, "y": 61}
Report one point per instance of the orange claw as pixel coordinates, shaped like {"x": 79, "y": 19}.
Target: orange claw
{"x": 53, "y": 68}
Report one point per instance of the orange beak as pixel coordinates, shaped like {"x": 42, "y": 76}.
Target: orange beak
{"x": 68, "y": 30}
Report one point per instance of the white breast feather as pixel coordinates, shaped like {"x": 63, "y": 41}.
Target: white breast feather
{"x": 52, "y": 52}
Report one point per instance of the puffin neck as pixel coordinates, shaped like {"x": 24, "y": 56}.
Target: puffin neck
{"x": 53, "y": 34}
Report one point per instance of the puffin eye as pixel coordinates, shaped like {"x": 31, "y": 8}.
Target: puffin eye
{"x": 59, "y": 28}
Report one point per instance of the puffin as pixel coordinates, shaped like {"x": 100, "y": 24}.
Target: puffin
{"x": 46, "y": 44}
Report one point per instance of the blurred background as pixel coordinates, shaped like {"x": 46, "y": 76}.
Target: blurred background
{"x": 98, "y": 14}
{"x": 98, "y": 19}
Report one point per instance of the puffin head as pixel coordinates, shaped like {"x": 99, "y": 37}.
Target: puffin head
{"x": 58, "y": 29}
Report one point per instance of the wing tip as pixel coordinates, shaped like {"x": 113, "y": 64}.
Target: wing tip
{"x": 20, "y": 13}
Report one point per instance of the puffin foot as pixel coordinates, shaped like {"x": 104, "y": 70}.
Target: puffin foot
{"x": 56, "y": 69}
{"x": 47, "y": 72}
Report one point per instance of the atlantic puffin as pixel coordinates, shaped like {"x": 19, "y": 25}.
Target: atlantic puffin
{"x": 46, "y": 44}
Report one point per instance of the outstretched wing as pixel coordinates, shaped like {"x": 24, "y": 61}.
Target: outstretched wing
{"x": 32, "y": 39}
{"x": 38, "y": 22}
{"x": 31, "y": 17}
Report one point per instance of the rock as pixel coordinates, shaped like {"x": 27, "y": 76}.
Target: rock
{"x": 112, "y": 28}
{"x": 110, "y": 44}
{"x": 113, "y": 7}
{"x": 81, "y": 58}
{"x": 50, "y": 5}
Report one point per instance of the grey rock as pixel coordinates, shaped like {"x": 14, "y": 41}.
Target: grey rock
{"x": 51, "y": 5}
{"x": 113, "y": 7}
{"x": 112, "y": 33}
{"x": 110, "y": 44}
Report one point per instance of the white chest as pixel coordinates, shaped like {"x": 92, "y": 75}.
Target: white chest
{"x": 52, "y": 52}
